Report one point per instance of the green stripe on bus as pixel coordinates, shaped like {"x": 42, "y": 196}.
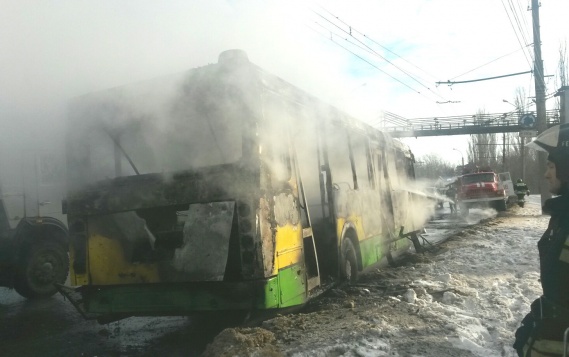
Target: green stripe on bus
{"x": 292, "y": 284}
{"x": 285, "y": 290}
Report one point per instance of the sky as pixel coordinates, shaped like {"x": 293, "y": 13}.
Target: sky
{"x": 366, "y": 57}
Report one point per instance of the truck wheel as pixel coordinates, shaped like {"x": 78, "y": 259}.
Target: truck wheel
{"x": 349, "y": 267}
{"x": 501, "y": 206}
{"x": 45, "y": 265}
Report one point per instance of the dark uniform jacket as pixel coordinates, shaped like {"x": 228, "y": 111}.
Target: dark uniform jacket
{"x": 549, "y": 316}
{"x": 520, "y": 187}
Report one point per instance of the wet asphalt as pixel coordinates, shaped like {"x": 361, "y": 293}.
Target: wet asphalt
{"x": 52, "y": 327}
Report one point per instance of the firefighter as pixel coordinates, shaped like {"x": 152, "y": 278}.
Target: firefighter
{"x": 521, "y": 190}
{"x": 451, "y": 194}
{"x": 521, "y": 187}
{"x": 542, "y": 330}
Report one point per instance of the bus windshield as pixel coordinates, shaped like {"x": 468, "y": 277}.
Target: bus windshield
{"x": 179, "y": 125}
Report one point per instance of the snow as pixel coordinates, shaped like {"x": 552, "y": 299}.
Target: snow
{"x": 465, "y": 299}
{"x": 491, "y": 279}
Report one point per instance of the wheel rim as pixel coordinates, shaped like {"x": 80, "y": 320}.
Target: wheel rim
{"x": 44, "y": 270}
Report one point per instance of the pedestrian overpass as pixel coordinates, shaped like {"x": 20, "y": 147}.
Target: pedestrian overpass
{"x": 399, "y": 127}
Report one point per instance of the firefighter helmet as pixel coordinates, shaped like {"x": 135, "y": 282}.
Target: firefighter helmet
{"x": 520, "y": 180}
{"x": 555, "y": 141}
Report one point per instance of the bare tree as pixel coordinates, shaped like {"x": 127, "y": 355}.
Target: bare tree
{"x": 482, "y": 148}
{"x": 562, "y": 79}
{"x": 432, "y": 166}
{"x": 562, "y": 67}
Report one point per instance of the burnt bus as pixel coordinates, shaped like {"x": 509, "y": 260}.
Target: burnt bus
{"x": 225, "y": 188}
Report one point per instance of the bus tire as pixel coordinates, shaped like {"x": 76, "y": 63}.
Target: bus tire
{"x": 349, "y": 266}
{"x": 44, "y": 265}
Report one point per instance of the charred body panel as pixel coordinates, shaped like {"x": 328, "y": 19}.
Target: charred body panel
{"x": 148, "y": 215}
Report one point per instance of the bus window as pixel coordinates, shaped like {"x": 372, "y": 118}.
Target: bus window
{"x": 410, "y": 168}
{"x": 280, "y": 162}
{"x": 359, "y": 154}
{"x": 400, "y": 165}
{"x": 339, "y": 159}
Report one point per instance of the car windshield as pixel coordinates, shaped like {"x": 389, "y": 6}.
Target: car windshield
{"x": 485, "y": 177}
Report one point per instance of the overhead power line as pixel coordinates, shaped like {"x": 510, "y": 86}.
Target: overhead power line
{"x": 516, "y": 33}
{"x": 494, "y": 60}
{"x": 350, "y": 32}
{"x": 483, "y": 79}
{"x": 375, "y": 42}
{"x": 368, "y": 62}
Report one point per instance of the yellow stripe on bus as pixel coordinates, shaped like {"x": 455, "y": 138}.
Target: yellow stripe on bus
{"x": 289, "y": 244}
{"x": 108, "y": 266}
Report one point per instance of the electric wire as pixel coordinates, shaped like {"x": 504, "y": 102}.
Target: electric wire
{"x": 375, "y": 42}
{"x": 368, "y": 62}
{"x": 366, "y": 48}
{"x": 520, "y": 27}
{"x": 485, "y": 64}
{"x": 484, "y": 79}
{"x": 526, "y": 26}
{"x": 347, "y": 39}
{"x": 516, "y": 33}
{"x": 374, "y": 52}
{"x": 349, "y": 33}
{"x": 540, "y": 75}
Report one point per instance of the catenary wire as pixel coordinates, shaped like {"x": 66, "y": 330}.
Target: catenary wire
{"x": 375, "y": 52}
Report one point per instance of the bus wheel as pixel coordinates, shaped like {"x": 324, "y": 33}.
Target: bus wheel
{"x": 45, "y": 264}
{"x": 349, "y": 263}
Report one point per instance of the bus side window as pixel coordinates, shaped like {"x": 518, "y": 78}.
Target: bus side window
{"x": 400, "y": 165}
{"x": 339, "y": 158}
{"x": 360, "y": 157}
{"x": 384, "y": 166}
{"x": 281, "y": 166}
{"x": 410, "y": 168}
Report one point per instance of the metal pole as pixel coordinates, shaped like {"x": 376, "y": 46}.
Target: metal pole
{"x": 504, "y": 152}
{"x": 523, "y": 152}
{"x": 541, "y": 124}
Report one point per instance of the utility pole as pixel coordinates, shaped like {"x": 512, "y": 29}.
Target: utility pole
{"x": 523, "y": 152}
{"x": 541, "y": 124}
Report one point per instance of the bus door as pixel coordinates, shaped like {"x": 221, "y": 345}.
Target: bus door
{"x": 310, "y": 256}
{"x": 383, "y": 187}
{"x": 295, "y": 252}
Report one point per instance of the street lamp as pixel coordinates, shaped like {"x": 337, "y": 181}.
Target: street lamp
{"x": 461, "y": 157}
{"x": 510, "y": 103}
